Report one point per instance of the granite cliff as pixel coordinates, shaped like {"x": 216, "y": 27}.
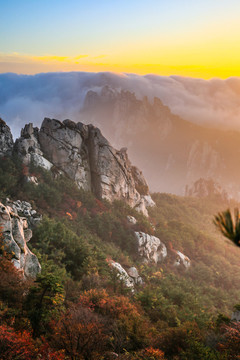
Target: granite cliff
{"x": 83, "y": 154}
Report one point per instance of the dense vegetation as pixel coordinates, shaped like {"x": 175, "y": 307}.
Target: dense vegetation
{"x": 78, "y": 309}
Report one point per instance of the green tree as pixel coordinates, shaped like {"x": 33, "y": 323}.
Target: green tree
{"x": 45, "y": 299}
{"x": 229, "y": 225}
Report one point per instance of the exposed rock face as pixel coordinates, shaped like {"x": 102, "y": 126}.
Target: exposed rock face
{"x": 131, "y": 220}
{"x": 6, "y": 139}
{"x": 16, "y": 234}
{"x": 133, "y": 273}
{"x": 24, "y": 209}
{"x": 28, "y": 148}
{"x": 150, "y": 247}
{"x": 122, "y": 275}
{"x": 205, "y": 188}
{"x": 129, "y": 278}
{"x": 82, "y": 153}
{"x": 182, "y": 260}
{"x": 235, "y": 315}
{"x": 64, "y": 145}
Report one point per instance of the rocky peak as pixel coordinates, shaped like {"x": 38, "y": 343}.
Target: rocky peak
{"x": 205, "y": 188}
{"x": 28, "y": 149}
{"x": 6, "y": 139}
{"x": 85, "y": 155}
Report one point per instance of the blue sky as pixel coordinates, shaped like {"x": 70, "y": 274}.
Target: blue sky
{"x": 126, "y": 32}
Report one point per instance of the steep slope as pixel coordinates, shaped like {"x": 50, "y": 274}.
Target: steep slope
{"x": 95, "y": 253}
{"x": 172, "y": 151}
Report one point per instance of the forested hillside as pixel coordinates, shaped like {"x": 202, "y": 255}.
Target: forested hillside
{"x": 80, "y": 307}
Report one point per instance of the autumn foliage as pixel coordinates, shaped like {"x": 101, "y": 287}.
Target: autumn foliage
{"x": 20, "y": 345}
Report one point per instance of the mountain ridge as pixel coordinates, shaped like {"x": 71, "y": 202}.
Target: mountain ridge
{"x": 164, "y": 145}
{"x": 85, "y": 156}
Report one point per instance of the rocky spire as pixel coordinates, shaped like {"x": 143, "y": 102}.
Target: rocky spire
{"x": 6, "y": 139}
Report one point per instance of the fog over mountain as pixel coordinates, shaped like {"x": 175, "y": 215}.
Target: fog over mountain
{"x": 32, "y": 97}
{"x": 177, "y": 130}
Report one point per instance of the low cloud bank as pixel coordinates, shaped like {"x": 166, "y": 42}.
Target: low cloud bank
{"x": 29, "y": 98}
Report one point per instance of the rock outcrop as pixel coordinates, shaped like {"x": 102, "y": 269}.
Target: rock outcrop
{"x": 235, "y": 315}
{"x": 151, "y": 248}
{"x": 24, "y": 209}
{"x": 83, "y": 154}
{"x": 6, "y": 139}
{"x": 131, "y": 220}
{"x": 28, "y": 149}
{"x": 16, "y": 234}
{"x": 205, "y": 188}
{"x": 133, "y": 273}
{"x": 129, "y": 278}
{"x": 181, "y": 260}
{"x": 122, "y": 274}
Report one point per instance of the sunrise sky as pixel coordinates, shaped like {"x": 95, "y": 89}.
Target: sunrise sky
{"x": 165, "y": 37}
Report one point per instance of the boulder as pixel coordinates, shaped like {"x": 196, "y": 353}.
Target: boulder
{"x": 16, "y": 234}
{"x": 181, "y": 260}
{"x": 151, "y": 248}
{"x": 133, "y": 273}
{"x": 131, "y": 220}
{"x": 122, "y": 275}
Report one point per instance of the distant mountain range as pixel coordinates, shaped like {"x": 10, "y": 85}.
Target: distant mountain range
{"x": 177, "y": 130}
{"x": 171, "y": 151}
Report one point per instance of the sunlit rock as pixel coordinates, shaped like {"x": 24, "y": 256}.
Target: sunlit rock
{"x": 16, "y": 234}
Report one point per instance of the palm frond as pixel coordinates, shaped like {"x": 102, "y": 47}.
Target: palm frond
{"x": 229, "y": 226}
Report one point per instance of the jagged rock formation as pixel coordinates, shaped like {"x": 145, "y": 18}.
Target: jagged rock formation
{"x": 205, "y": 188}
{"x": 6, "y": 139}
{"x": 129, "y": 278}
{"x": 16, "y": 234}
{"x": 24, "y": 209}
{"x": 28, "y": 149}
{"x": 150, "y": 247}
{"x": 164, "y": 145}
{"x": 122, "y": 274}
{"x": 82, "y": 153}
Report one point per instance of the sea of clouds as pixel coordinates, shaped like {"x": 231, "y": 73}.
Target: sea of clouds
{"x": 30, "y": 98}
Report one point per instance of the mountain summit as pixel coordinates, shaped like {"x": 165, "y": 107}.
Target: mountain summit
{"x": 85, "y": 156}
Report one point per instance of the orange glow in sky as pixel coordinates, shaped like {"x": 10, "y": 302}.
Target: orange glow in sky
{"x": 196, "y": 39}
